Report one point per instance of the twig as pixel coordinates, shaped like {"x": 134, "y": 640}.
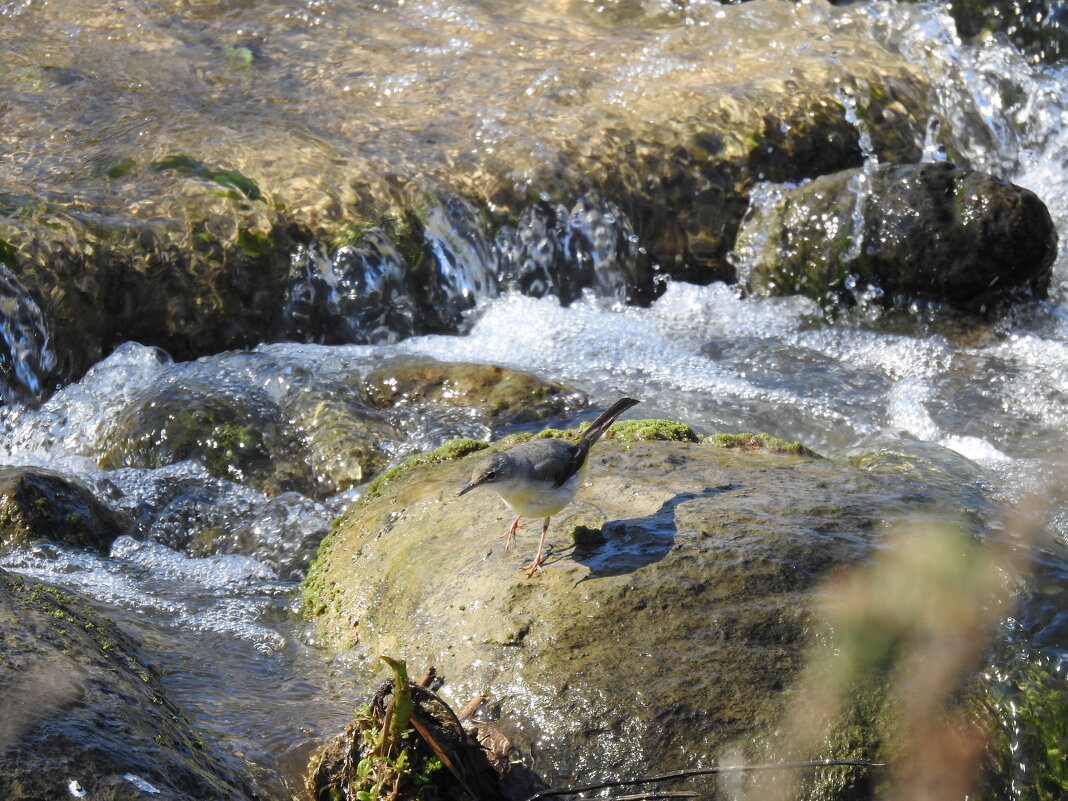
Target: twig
{"x": 430, "y": 675}
{"x": 471, "y": 707}
{"x": 686, "y": 774}
{"x": 436, "y": 747}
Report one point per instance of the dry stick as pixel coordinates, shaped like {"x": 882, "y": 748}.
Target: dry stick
{"x": 686, "y": 774}
{"x": 654, "y": 796}
{"x": 435, "y": 746}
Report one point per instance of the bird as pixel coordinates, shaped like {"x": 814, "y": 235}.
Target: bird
{"x": 540, "y": 477}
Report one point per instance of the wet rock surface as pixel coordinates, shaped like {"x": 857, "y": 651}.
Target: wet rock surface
{"x": 1037, "y": 27}
{"x": 929, "y": 232}
{"x": 84, "y": 717}
{"x": 668, "y": 618}
{"x": 577, "y": 166}
{"x": 38, "y": 504}
{"x": 495, "y": 394}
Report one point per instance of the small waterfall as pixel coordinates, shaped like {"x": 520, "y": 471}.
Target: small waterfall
{"x": 556, "y": 250}
{"x": 26, "y": 355}
{"x": 360, "y": 295}
{"x": 859, "y": 184}
{"x": 459, "y": 264}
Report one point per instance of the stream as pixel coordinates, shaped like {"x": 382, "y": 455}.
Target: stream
{"x": 223, "y": 627}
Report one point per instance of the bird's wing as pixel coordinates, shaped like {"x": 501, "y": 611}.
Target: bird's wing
{"x": 560, "y": 461}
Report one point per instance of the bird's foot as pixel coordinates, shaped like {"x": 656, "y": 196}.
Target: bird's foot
{"x": 534, "y": 566}
{"x": 509, "y": 535}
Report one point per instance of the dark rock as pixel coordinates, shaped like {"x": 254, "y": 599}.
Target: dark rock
{"x": 38, "y": 504}
{"x": 929, "y": 232}
{"x": 1038, "y": 27}
{"x": 210, "y": 277}
{"x": 82, "y": 713}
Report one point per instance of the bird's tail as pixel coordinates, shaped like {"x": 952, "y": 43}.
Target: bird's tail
{"x": 606, "y": 418}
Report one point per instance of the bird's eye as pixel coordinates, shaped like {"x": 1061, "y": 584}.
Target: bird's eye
{"x": 491, "y": 475}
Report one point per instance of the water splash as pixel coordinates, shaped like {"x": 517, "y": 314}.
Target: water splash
{"x": 933, "y": 149}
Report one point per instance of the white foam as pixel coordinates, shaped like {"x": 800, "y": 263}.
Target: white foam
{"x": 976, "y": 449}
{"x": 907, "y": 410}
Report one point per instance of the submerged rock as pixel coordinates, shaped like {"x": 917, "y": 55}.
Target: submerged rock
{"x": 236, "y": 433}
{"x": 669, "y": 616}
{"x": 342, "y": 440}
{"x": 929, "y": 232}
{"x": 84, "y": 717}
{"x": 38, "y": 504}
{"x": 497, "y": 395}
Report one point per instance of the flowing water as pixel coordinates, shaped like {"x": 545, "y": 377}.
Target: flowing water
{"x": 221, "y": 626}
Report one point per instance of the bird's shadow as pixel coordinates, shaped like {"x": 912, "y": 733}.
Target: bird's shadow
{"x": 627, "y": 545}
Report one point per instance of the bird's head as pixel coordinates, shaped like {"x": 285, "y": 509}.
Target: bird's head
{"x": 495, "y": 468}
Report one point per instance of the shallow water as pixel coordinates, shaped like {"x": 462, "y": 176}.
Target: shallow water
{"x": 220, "y": 626}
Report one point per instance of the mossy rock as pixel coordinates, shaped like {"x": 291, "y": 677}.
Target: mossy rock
{"x": 762, "y": 442}
{"x": 673, "y": 621}
{"x": 926, "y": 232}
{"x": 38, "y": 504}
{"x": 83, "y": 712}
{"x": 1022, "y": 703}
{"x": 238, "y": 437}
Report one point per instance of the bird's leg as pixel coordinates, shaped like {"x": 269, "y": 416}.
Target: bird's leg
{"x": 535, "y": 566}
{"x": 509, "y": 535}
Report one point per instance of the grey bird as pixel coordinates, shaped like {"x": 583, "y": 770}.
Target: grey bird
{"x": 540, "y": 477}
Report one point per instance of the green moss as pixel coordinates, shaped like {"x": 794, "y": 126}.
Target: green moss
{"x": 231, "y": 445}
{"x": 1024, "y": 707}
{"x": 404, "y": 236}
{"x": 548, "y": 433}
{"x": 256, "y": 245}
{"x": 239, "y": 57}
{"x": 763, "y": 442}
{"x": 119, "y": 169}
{"x": 644, "y": 430}
{"x": 453, "y": 449}
{"x": 187, "y": 165}
{"x": 351, "y": 234}
{"x": 242, "y": 183}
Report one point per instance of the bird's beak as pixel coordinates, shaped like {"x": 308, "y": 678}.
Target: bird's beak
{"x": 468, "y": 488}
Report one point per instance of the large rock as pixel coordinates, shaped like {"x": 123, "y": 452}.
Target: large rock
{"x": 559, "y": 168}
{"x": 84, "y": 717}
{"x": 919, "y": 232}
{"x": 38, "y": 504}
{"x": 669, "y": 616}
